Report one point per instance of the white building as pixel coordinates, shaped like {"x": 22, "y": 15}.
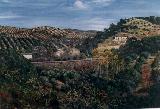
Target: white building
{"x": 120, "y": 39}
{"x": 28, "y": 56}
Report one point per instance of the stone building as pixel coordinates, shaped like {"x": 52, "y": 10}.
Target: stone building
{"x": 40, "y": 54}
{"x": 73, "y": 53}
{"x": 67, "y": 54}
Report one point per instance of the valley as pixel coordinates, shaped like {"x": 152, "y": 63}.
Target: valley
{"x": 54, "y": 68}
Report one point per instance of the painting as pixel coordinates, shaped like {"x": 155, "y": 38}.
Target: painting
{"x": 79, "y": 54}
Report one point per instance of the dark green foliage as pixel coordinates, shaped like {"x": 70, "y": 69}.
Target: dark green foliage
{"x": 90, "y": 43}
{"x": 13, "y": 61}
{"x": 143, "y": 48}
{"x": 19, "y": 82}
{"x": 128, "y": 78}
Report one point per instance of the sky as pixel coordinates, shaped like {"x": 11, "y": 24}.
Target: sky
{"x": 77, "y": 14}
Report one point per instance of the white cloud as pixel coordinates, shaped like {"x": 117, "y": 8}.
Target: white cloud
{"x": 98, "y": 23}
{"x": 5, "y": 1}
{"x": 94, "y": 23}
{"x": 80, "y": 5}
{"x": 9, "y": 15}
{"x": 83, "y": 5}
{"x": 100, "y": 2}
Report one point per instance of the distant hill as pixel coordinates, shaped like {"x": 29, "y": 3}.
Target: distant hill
{"x": 45, "y": 32}
{"x": 24, "y": 39}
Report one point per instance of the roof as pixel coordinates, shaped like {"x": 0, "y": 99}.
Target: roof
{"x": 26, "y": 53}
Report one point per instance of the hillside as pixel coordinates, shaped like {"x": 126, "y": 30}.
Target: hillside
{"x": 126, "y": 29}
{"x": 45, "y": 32}
{"x": 152, "y": 19}
{"x": 24, "y": 39}
{"x": 141, "y": 28}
